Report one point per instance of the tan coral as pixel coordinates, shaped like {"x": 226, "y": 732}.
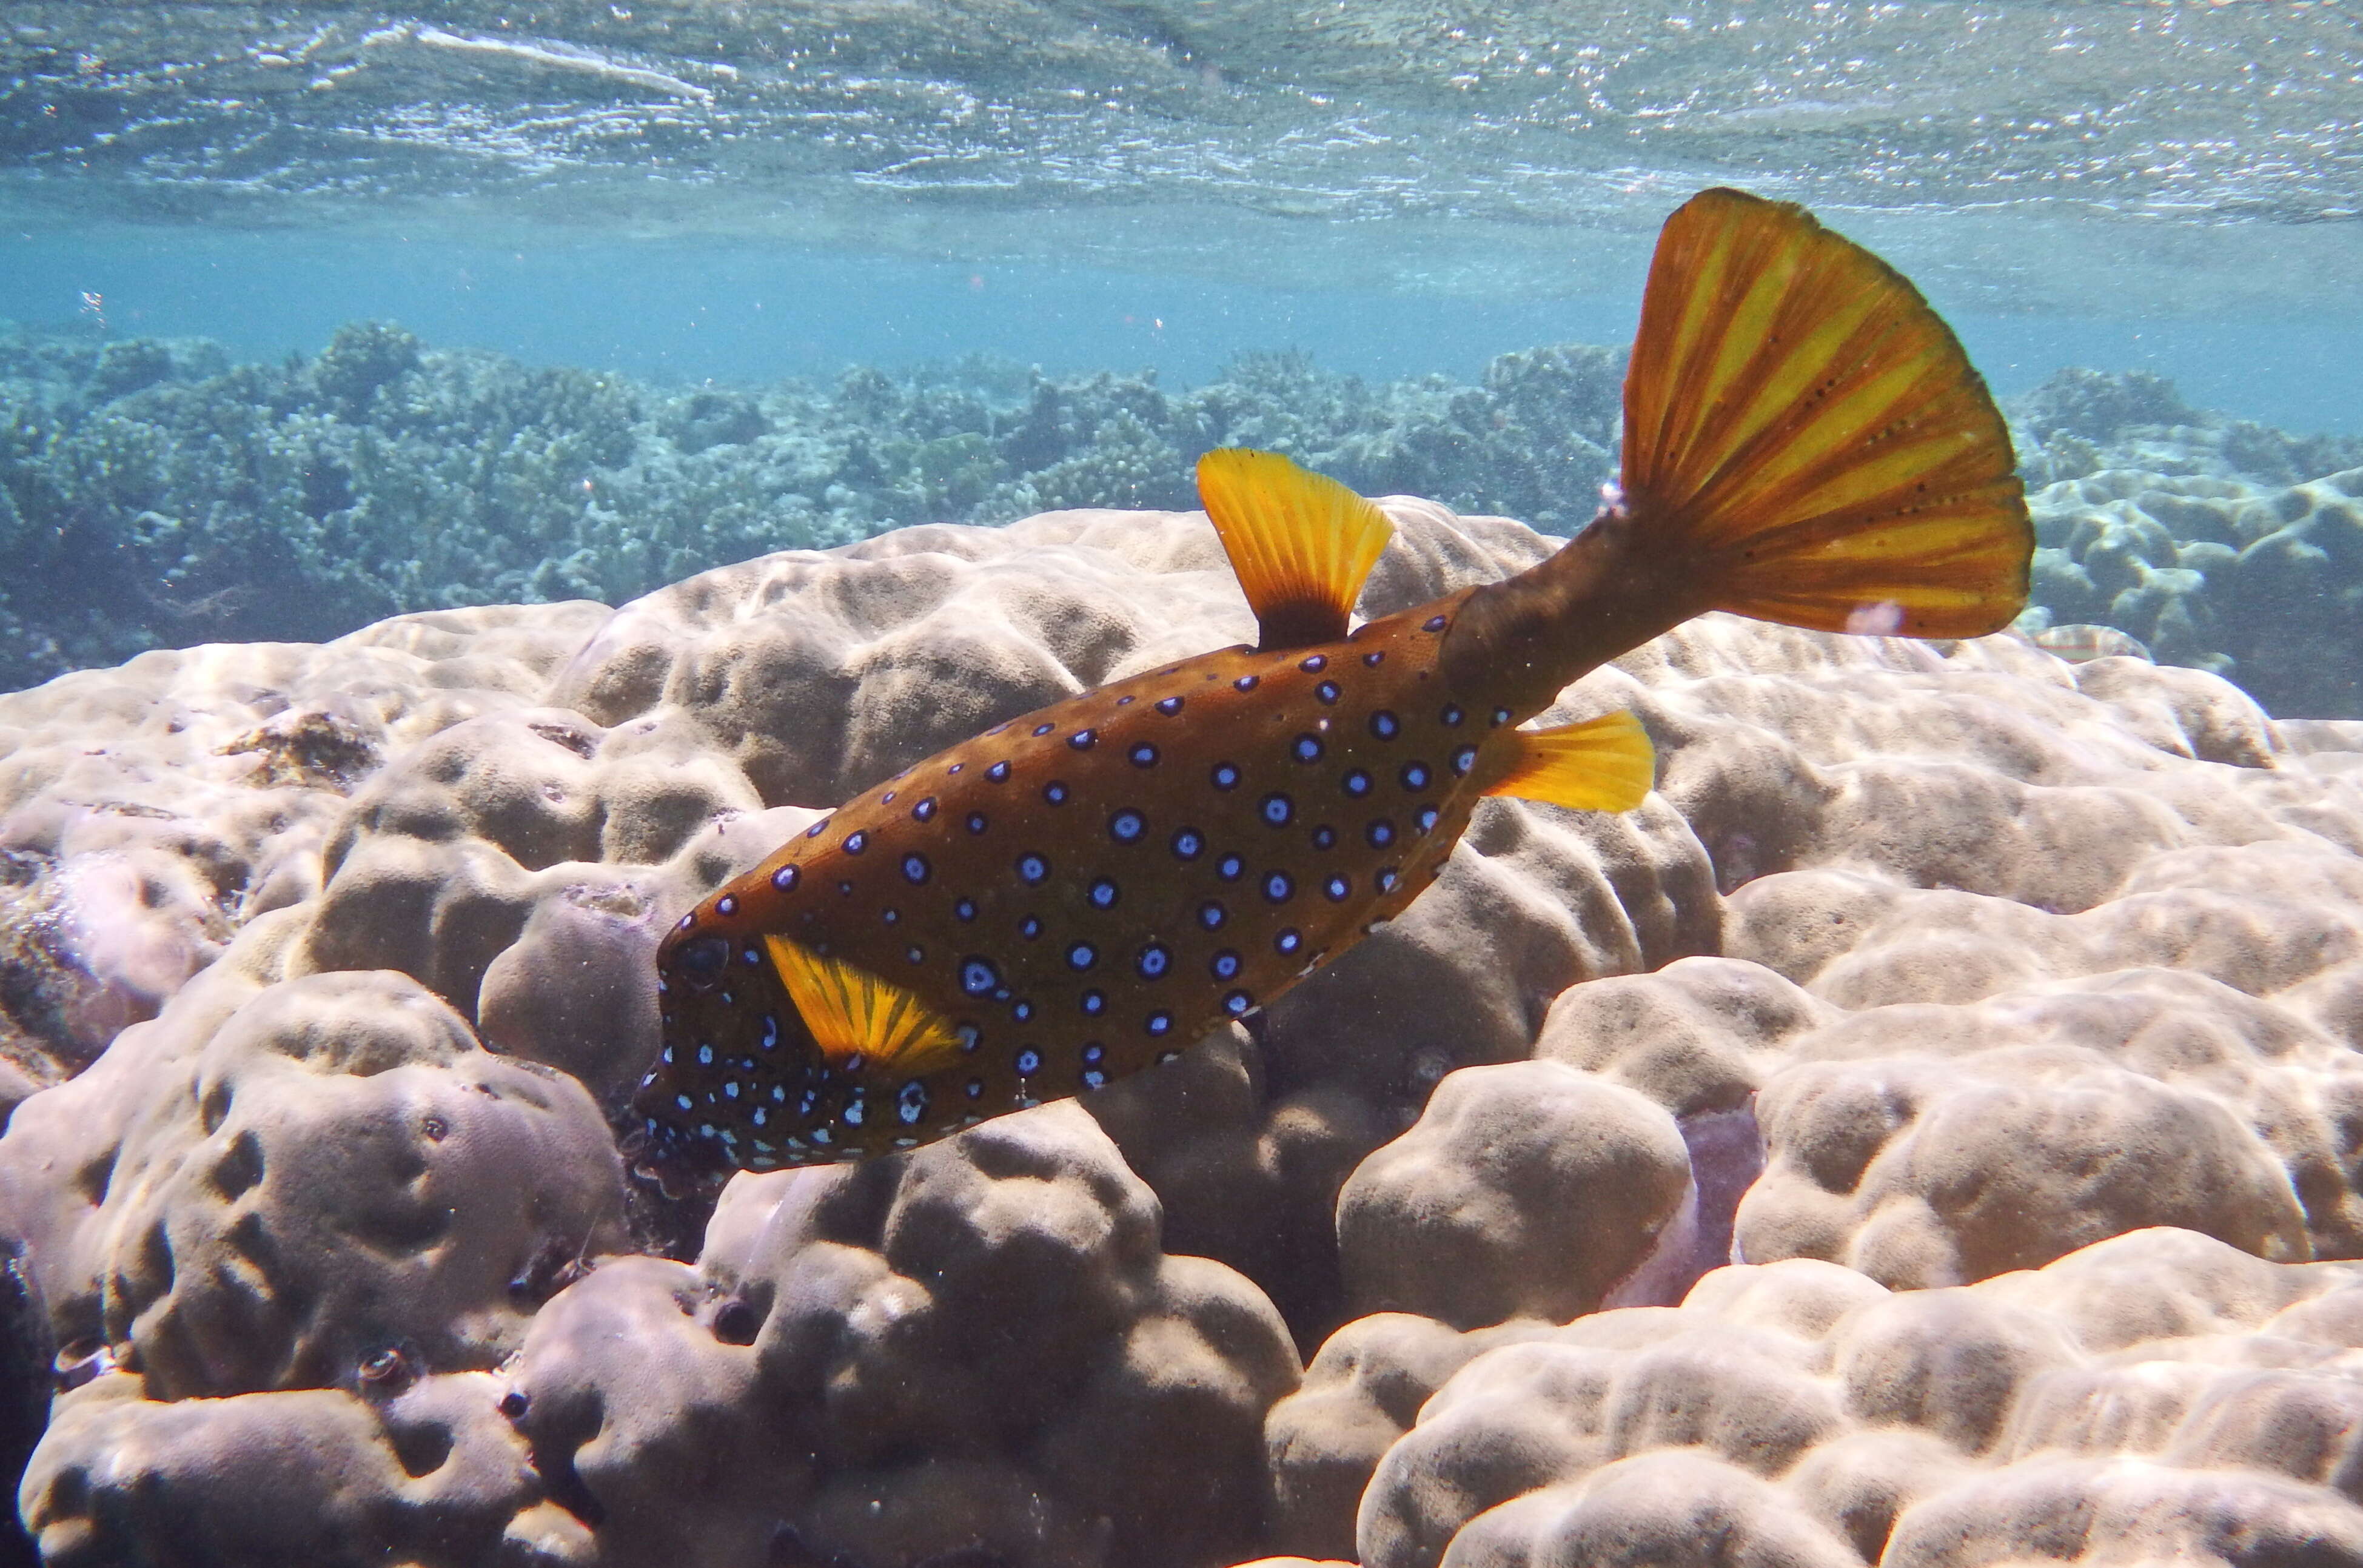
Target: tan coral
{"x": 2165, "y": 1395}
{"x": 1929, "y": 935}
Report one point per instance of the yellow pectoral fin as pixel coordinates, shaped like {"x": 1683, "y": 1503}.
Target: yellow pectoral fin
{"x": 1602, "y": 765}
{"x": 1301, "y": 542}
{"x": 853, "y": 1013}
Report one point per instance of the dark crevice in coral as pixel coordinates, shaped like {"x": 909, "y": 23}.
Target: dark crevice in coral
{"x": 562, "y": 1484}
{"x": 24, "y": 1378}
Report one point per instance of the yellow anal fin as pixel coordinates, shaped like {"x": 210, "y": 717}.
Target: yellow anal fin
{"x": 1301, "y": 542}
{"x": 1602, "y": 765}
{"x": 1801, "y": 424}
{"x": 853, "y": 1013}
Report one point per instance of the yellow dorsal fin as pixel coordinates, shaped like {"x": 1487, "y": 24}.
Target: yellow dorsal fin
{"x": 1299, "y": 541}
{"x": 853, "y": 1013}
{"x": 1806, "y": 429}
{"x": 1602, "y": 765}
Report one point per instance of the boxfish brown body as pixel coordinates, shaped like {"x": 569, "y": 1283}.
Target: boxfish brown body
{"x": 1084, "y": 892}
{"x": 1090, "y": 888}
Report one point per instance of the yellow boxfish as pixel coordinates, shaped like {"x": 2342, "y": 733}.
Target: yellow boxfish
{"x": 1081, "y": 893}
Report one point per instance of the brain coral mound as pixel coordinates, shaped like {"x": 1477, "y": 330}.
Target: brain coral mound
{"x": 2218, "y": 543}
{"x": 327, "y": 967}
{"x": 2157, "y": 1397}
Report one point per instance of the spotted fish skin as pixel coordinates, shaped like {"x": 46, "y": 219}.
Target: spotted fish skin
{"x": 1083, "y": 891}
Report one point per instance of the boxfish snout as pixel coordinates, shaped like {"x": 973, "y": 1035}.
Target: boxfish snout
{"x": 680, "y": 1163}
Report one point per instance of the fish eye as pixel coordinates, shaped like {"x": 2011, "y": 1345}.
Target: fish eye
{"x": 702, "y": 960}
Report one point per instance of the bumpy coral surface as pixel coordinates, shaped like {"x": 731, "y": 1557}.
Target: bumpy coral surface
{"x": 1995, "y": 1016}
{"x": 2155, "y": 1397}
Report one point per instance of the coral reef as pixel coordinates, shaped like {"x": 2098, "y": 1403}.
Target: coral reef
{"x": 1948, "y": 1010}
{"x": 2154, "y": 1397}
{"x": 161, "y": 496}
{"x": 2217, "y": 543}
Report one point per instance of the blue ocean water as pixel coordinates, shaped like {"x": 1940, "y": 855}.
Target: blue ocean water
{"x": 695, "y": 309}
{"x": 722, "y": 202}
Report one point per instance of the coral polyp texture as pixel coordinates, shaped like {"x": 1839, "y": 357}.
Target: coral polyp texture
{"x": 1925, "y": 1131}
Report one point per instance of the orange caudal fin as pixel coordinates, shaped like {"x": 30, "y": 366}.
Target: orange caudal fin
{"x": 1809, "y": 433}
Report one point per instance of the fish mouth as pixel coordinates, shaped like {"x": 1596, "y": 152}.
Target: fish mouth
{"x": 677, "y": 1164}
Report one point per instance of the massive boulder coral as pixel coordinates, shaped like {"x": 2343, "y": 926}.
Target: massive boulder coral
{"x": 2217, "y": 543}
{"x": 2154, "y": 1397}
{"x": 1924, "y": 966}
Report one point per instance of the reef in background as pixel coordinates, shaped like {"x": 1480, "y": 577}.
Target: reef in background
{"x": 153, "y": 494}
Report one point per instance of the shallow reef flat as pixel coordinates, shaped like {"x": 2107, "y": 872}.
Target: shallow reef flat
{"x": 1928, "y": 1131}
{"x": 152, "y": 494}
